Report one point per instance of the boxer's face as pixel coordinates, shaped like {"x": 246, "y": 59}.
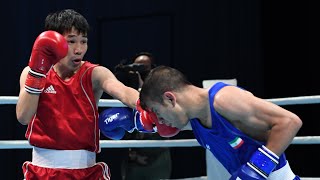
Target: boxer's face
{"x": 78, "y": 46}
{"x": 169, "y": 113}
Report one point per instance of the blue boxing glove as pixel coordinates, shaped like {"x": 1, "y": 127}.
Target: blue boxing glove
{"x": 114, "y": 122}
{"x": 259, "y": 167}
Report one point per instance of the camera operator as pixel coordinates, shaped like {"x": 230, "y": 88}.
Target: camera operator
{"x": 142, "y": 163}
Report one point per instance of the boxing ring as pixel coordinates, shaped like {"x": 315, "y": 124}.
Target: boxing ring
{"x": 23, "y": 144}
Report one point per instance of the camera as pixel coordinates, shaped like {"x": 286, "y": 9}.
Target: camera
{"x": 131, "y": 67}
{"x": 126, "y": 73}
{"x": 134, "y": 67}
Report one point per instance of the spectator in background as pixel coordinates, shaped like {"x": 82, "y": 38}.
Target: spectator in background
{"x": 146, "y": 59}
{"x": 142, "y": 163}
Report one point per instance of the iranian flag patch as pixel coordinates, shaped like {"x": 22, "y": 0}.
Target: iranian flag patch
{"x": 236, "y": 143}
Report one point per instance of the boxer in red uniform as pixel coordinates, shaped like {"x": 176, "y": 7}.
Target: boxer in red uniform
{"x": 58, "y": 100}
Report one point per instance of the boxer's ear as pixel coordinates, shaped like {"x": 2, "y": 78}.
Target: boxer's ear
{"x": 169, "y": 98}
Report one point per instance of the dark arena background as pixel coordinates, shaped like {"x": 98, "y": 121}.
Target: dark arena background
{"x": 270, "y": 47}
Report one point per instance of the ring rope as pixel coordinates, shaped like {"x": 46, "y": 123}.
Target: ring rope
{"x": 24, "y": 144}
{"x": 102, "y": 102}
{"x": 296, "y": 100}
{"x": 116, "y": 103}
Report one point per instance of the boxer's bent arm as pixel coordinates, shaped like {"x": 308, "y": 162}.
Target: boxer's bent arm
{"x": 48, "y": 48}
{"x": 275, "y": 125}
{"x": 27, "y": 103}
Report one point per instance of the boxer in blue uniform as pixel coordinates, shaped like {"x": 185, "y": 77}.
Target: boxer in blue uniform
{"x": 247, "y": 134}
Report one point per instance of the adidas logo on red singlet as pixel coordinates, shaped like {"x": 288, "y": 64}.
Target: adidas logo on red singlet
{"x": 50, "y": 89}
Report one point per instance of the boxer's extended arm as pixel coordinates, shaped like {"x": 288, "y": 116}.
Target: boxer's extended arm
{"x": 104, "y": 80}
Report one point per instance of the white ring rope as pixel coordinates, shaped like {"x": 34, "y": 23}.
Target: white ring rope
{"x": 23, "y": 144}
{"x": 296, "y": 100}
{"x": 102, "y": 102}
{"x": 116, "y": 103}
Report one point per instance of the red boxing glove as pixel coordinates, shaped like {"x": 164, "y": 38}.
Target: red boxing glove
{"x": 149, "y": 120}
{"x": 164, "y": 130}
{"x": 48, "y": 49}
{"x": 146, "y": 120}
